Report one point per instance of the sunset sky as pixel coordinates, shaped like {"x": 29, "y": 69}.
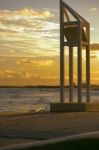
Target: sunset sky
{"x": 29, "y": 41}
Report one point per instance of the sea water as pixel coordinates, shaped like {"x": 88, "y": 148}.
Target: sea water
{"x": 35, "y": 99}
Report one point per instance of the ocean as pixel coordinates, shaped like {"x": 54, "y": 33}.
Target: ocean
{"x": 35, "y": 99}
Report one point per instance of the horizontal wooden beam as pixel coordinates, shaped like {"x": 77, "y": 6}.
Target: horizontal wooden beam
{"x": 67, "y": 26}
{"x": 71, "y": 23}
{"x": 85, "y": 43}
{"x": 75, "y": 44}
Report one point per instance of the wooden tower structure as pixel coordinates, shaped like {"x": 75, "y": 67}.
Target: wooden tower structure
{"x": 74, "y": 32}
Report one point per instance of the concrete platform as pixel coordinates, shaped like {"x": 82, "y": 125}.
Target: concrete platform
{"x": 74, "y": 107}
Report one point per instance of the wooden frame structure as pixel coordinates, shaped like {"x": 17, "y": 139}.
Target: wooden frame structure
{"x": 74, "y": 32}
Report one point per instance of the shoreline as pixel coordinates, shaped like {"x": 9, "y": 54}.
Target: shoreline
{"x": 8, "y": 114}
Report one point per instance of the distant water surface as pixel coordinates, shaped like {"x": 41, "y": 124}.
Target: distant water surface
{"x": 34, "y": 99}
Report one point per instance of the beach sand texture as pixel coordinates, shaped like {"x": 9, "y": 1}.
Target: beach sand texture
{"x": 46, "y": 125}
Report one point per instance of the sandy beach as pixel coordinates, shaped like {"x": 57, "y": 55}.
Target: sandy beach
{"x": 19, "y": 128}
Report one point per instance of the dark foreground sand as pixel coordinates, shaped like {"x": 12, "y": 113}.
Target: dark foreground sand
{"x": 10, "y": 141}
{"x": 26, "y": 127}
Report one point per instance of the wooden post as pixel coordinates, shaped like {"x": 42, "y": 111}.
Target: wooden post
{"x": 61, "y": 54}
{"x": 79, "y": 74}
{"x": 80, "y": 64}
{"x": 88, "y": 74}
{"x": 70, "y": 74}
{"x": 88, "y": 66}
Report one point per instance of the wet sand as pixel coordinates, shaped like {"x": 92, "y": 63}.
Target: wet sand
{"x": 40, "y": 126}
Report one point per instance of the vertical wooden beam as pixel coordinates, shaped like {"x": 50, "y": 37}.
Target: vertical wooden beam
{"x": 88, "y": 65}
{"x": 70, "y": 74}
{"x": 80, "y": 64}
{"x": 62, "y": 88}
{"x": 79, "y": 74}
{"x": 88, "y": 74}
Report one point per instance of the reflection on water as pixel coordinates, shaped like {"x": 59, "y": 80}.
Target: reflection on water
{"x": 33, "y": 99}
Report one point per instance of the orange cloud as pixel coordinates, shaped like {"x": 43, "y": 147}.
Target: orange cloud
{"x": 28, "y": 29}
{"x": 42, "y": 63}
{"x": 1, "y": 73}
{"x": 26, "y": 75}
{"x": 12, "y": 73}
{"x": 93, "y": 9}
{"x": 94, "y": 46}
{"x": 93, "y": 56}
{"x": 48, "y": 77}
{"x": 26, "y": 12}
{"x": 37, "y": 62}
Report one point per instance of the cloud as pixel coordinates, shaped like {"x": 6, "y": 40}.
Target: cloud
{"x": 1, "y": 73}
{"x": 93, "y": 56}
{"x": 92, "y": 29}
{"x": 15, "y": 74}
{"x": 94, "y": 46}
{"x": 29, "y": 70}
{"x": 10, "y": 76}
{"x": 9, "y": 71}
{"x": 2, "y": 59}
{"x": 26, "y": 75}
{"x": 28, "y": 32}
{"x": 37, "y": 62}
{"x": 42, "y": 63}
{"x": 48, "y": 77}
{"x": 12, "y": 72}
{"x": 26, "y": 12}
{"x": 93, "y": 9}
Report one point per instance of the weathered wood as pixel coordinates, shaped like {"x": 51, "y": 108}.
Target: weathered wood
{"x": 75, "y": 36}
{"x": 75, "y": 107}
{"x": 61, "y": 54}
{"x": 80, "y": 64}
{"x": 71, "y": 23}
{"x": 80, "y": 74}
{"x": 70, "y": 74}
{"x": 88, "y": 66}
{"x": 87, "y": 74}
{"x": 73, "y": 44}
{"x": 74, "y": 13}
{"x": 84, "y": 43}
{"x": 66, "y": 15}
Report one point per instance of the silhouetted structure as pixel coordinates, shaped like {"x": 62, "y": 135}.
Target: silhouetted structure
{"x": 74, "y": 32}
